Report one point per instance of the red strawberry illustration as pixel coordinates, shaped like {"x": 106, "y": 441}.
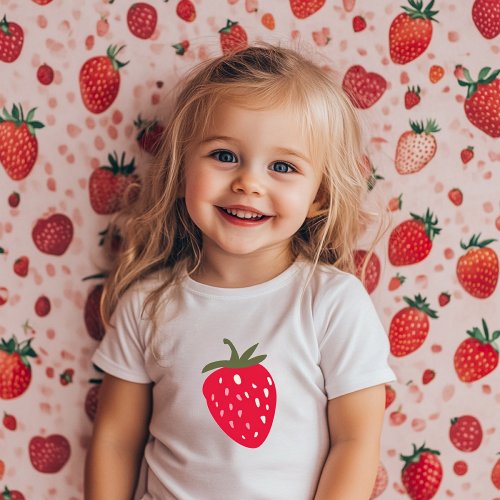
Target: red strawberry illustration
{"x": 482, "y": 104}
{"x": 456, "y": 196}
{"x": 477, "y": 270}
{"x": 11, "y": 495}
{"x": 186, "y": 10}
{"x": 397, "y": 417}
{"x": 444, "y": 298}
{"x": 45, "y": 74}
{"x": 486, "y": 17}
{"x": 422, "y": 473}
{"x": 21, "y": 266}
{"x": 436, "y": 73}
{"x": 113, "y": 185}
{"x": 411, "y": 241}
{"x": 9, "y": 421}
{"x": 181, "y": 47}
{"x": 412, "y": 97}
{"x": 390, "y": 395}
{"x": 66, "y": 377}
{"x": 15, "y": 369}
{"x": 477, "y": 356}
{"x": 142, "y": 19}
{"x": 364, "y": 88}
{"x": 358, "y": 23}
{"x": 232, "y": 37}
{"x": 11, "y": 40}
{"x": 409, "y": 326}
{"x": 92, "y": 398}
{"x": 241, "y": 396}
{"x": 53, "y": 234}
{"x": 305, "y": 8}
{"x": 372, "y": 272}
{"x": 49, "y": 454}
{"x": 416, "y": 147}
{"x": 466, "y": 433}
{"x": 14, "y": 199}
{"x": 381, "y": 481}
{"x": 428, "y": 376}
{"x": 150, "y": 134}
{"x": 100, "y": 80}
{"x": 396, "y": 282}
{"x": 18, "y": 144}
{"x": 410, "y": 32}
{"x": 92, "y": 314}
{"x": 395, "y": 203}
{"x": 42, "y": 306}
{"x": 495, "y": 475}
{"x": 467, "y": 154}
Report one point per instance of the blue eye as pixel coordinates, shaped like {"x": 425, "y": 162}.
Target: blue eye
{"x": 224, "y": 156}
{"x": 282, "y": 167}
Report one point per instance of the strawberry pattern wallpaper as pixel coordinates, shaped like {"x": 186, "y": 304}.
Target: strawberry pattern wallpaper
{"x": 81, "y": 94}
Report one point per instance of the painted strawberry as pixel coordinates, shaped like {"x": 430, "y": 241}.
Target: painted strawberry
{"x": 428, "y": 376}
{"x": 21, "y": 266}
{"x": 92, "y": 398}
{"x": 372, "y": 272}
{"x": 15, "y": 369}
{"x": 45, "y": 74}
{"x": 395, "y": 282}
{"x": 456, "y": 196}
{"x": 390, "y": 395}
{"x": 364, "y": 88}
{"x": 482, "y": 104}
{"x": 14, "y": 199}
{"x": 466, "y": 433}
{"x": 422, "y": 473}
{"x": 477, "y": 356}
{"x": 395, "y": 203}
{"x": 416, "y": 147}
{"x": 53, "y": 234}
{"x": 410, "y": 32}
{"x": 233, "y": 37}
{"x": 268, "y": 21}
{"x": 411, "y": 241}
{"x": 412, "y": 97}
{"x": 397, "y": 417}
{"x": 381, "y": 482}
{"x": 467, "y": 154}
{"x": 100, "y": 80}
{"x": 444, "y": 298}
{"x": 241, "y": 396}
{"x": 358, "y": 23}
{"x": 477, "y": 270}
{"x": 18, "y": 143}
{"x": 410, "y": 326}
{"x": 436, "y": 73}
{"x": 486, "y": 17}
{"x": 186, "y": 10}
{"x": 305, "y": 8}
{"x": 141, "y": 20}
{"x": 181, "y": 47}
{"x": 495, "y": 475}
{"x": 11, "y": 40}
{"x": 112, "y": 186}
{"x": 149, "y": 135}
{"x": 42, "y": 306}
{"x": 50, "y": 454}
{"x": 92, "y": 314}
{"x": 11, "y": 495}
{"x": 9, "y": 421}
{"x": 66, "y": 377}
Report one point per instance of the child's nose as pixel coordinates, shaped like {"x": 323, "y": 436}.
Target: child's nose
{"x": 248, "y": 181}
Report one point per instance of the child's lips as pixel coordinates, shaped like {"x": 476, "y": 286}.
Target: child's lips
{"x": 233, "y": 219}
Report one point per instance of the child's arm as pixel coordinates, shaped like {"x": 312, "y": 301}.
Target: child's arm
{"x": 355, "y": 423}
{"x": 120, "y": 433}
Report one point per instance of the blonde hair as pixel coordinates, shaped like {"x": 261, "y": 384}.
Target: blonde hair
{"x": 156, "y": 230}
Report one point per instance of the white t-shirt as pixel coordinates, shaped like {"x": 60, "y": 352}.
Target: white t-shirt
{"x": 328, "y": 343}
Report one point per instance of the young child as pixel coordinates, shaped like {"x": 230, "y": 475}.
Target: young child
{"x": 243, "y": 358}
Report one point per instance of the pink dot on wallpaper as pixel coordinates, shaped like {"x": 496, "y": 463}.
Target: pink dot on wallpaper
{"x": 94, "y": 163}
{"x": 51, "y": 184}
{"x": 418, "y": 424}
{"x": 70, "y": 96}
{"x": 67, "y": 356}
{"x": 50, "y": 269}
{"x": 436, "y": 348}
{"x": 488, "y": 207}
{"x": 52, "y": 102}
{"x": 404, "y": 78}
{"x": 449, "y": 253}
{"x": 70, "y": 158}
{"x": 90, "y": 122}
{"x": 8, "y": 227}
{"x": 448, "y": 392}
{"x": 49, "y": 371}
{"x": 51, "y": 120}
{"x": 112, "y": 132}
{"x": 385, "y": 61}
{"x": 486, "y": 388}
{"x": 487, "y": 175}
{"x": 453, "y": 36}
{"x": 66, "y": 269}
{"x": 362, "y": 52}
{"x": 343, "y": 45}
{"x": 438, "y": 268}
{"x": 73, "y": 130}
{"x": 62, "y": 149}
{"x": 41, "y": 21}
{"x": 99, "y": 143}
{"x": 45, "y": 408}
{"x": 117, "y": 117}
{"x": 155, "y": 99}
{"x": 438, "y": 187}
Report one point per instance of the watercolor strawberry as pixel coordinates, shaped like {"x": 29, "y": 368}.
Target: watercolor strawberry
{"x": 412, "y": 97}
{"x": 181, "y": 47}
{"x": 358, "y": 23}
{"x": 495, "y": 475}
{"x": 45, "y": 74}
{"x": 444, "y": 298}
{"x": 21, "y": 266}
{"x": 410, "y": 32}
{"x": 241, "y": 396}
{"x": 482, "y": 104}
{"x": 477, "y": 270}
{"x": 416, "y": 147}
{"x": 11, "y": 40}
{"x": 411, "y": 240}
{"x": 49, "y": 454}
{"x": 467, "y": 154}
{"x": 422, "y": 473}
{"x": 92, "y": 398}
{"x": 100, "y": 80}
{"x": 232, "y": 37}
{"x": 395, "y": 282}
{"x": 305, "y": 8}
{"x": 428, "y": 376}
{"x": 372, "y": 273}
{"x": 42, "y": 306}
{"x": 14, "y": 199}
{"x": 456, "y": 196}
{"x": 52, "y": 235}
{"x": 410, "y": 326}
{"x": 15, "y": 369}
{"x": 18, "y": 143}
{"x": 486, "y": 17}
{"x": 466, "y": 433}
{"x": 390, "y": 395}
{"x": 9, "y": 421}
{"x": 381, "y": 482}
{"x": 186, "y": 10}
{"x": 395, "y": 203}
{"x": 11, "y": 495}
{"x": 364, "y": 88}
{"x": 112, "y": 186}
{"x": 436, "y": 73}
{"x": 397, "y": 417}
{"x": 149, "y": 135}
{"x": 268, "y": 21}
{"x": 141, "y": 20}
{"x": 92, "y": 313}
{"x": 477, "y": 356}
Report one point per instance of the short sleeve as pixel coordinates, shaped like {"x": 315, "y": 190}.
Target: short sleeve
{"x": 121, "y": 352}
{"x": 354, "y": 349}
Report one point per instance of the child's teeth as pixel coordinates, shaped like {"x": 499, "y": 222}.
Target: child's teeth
{"x": 242, "y": 214}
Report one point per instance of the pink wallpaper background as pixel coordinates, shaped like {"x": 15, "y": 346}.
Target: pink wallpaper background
{"x": 430, "y": 291}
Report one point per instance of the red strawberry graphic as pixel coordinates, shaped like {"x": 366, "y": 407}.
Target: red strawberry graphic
{"x": 395, "y": 203}
{"x": 142, "y": 19}
{"x": 100, "y": 80}
{"x": 53, "y": 234}
{"x": 49, "y": 454}
{"x": 15, "y": 369}
{"x": 477, "y": 270}
{"x": 428, "y": 376}
{"x": 397, "y": 417}
{"x": 232, "y": 37}
{"x": 416, "y": 147}
{"x": 181, "y": 47}
{"x": 486, "y": 17}
{"x": 21, "y": 266}
{"x": 186, "y": 10}
{"x": 11, "y": 40}
{"x": 412, "y": 97}
{"x": 477, "y": 356}
{"x": 467, "y": 154}
{"x": 466, "y": 433}
{"x": 42, "y": 306}
{"x": 92, "y": 398}
{"x": 409, "y": 326}
{"x": 241, "y": 396}
{"x": 18, "y": 144}
{"x": 495, "y": 475}
{"x": 396, "y": 282}
{"x": 381, "y": 482}
{"x": 482, "y": 104}
{"x": 422, "y": 473}
{"x": 14, "y": 199}
{"x": 364, "y": 88}
{"x": 444, "y": 298}
{"x": 390, "y": 395}
{"x": 411, "y": 241}
{"x": 9, "y": 422}
{"x": 456, "y": 196}
{"x": 11, "y": 495}
{"x": 66, "y": 377}
{"x": 305, "y": 8}
{"x": 149, "y": 136}
{"x": 358, "y": 23}
{"x": 410, "y": 32}
{"x": 92, "y": 314}
{"x": 45, "y": 74}
{"x": 113, "y": 185}
{"x": 372, "y": 272}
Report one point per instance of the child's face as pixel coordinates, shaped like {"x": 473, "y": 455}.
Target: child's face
{"x": 250, "y": 162}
